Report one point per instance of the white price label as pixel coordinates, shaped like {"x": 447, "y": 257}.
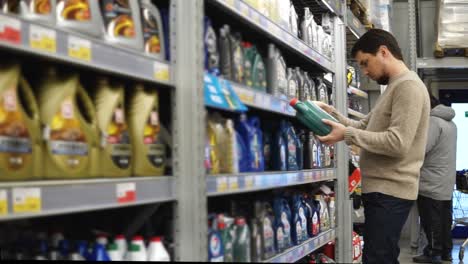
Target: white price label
{"x": 126, "y": 192}
{"x": 27, "y": 200}
{"x": 249, "y": 182}
{"x": 79, "y": 48}
{"x": 161, "y": 71}
{"x": 244, "y": 9}
{"x": 259, "y": 99}
{"x": 233, "y": 183}
{"x": 221, "y": 184}
{"x": 41, "y": 38}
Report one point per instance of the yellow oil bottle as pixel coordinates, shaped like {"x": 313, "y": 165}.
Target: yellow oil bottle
{"x": 69, "y": 126}
{"x": 115, "y": 146}
{"x": 149, "y": 150}
{"x": 20, "y": 136}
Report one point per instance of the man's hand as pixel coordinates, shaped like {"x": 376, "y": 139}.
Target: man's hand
{"x": 325, "y": 107}
{"x": 336, "y": 135}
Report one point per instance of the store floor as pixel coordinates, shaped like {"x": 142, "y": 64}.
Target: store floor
{"x": 407, "y": 258}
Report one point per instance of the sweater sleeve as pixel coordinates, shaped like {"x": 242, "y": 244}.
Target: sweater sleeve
{"x": 433, "y": 134}
{"x": 360, "y": 124}
{"x": 407, "y": 101}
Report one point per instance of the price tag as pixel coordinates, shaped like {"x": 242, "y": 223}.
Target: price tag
{"x": 27, "y": 200}
{"x": 259, "y": 180}
{"x": 3, "y": 202}
{"x": 330, "y": 174}
{"x": 41, "y": 38}
{"x": 79, "y": 48}
{"x": 230, "y": 3}
{"x": 244, "y": 9}
{"x": 221, "y": 184}
{"x": 259, "y": 99}
{"x": 10, "y": 30}
{"x": 267, "y": 102}
{"x": 247, "y": 96}
{"x": 249, "y": 182}
{"x": 233, "y": 183}
{"x": 161, "y": 71}
{"x": 256, "y": 17}
{"x": 126, "y": 192}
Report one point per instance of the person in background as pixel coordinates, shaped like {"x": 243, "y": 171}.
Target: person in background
{"x": 436, "y": 184}
{"x": 392, "y": 138}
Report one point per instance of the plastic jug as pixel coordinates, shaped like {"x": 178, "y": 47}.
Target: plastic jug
{"x": 250, "y": 131}
{"x": 99, "y": 253}
{"x": 113, "y": 252}
{"x": 254, "y": 68}
{"x": 121, "y": 243}
{"x": 20, "y": 136}
{"x": 70, "y": 127}
{"x": 293, "y": 21}
{"x": 299, "y": 221}
{"x": 215, "y": 247}
{"x": 282, "y": 224}
{"x": 292, "y": 84}
{"x": 304, "y": 92}
{"x": 321, "y": 88}
{"x": 331, "y": 208}
{"x": 136, "y": 253}
{"x": 231, "y": 154}
{"x": 291, "y": 140}
{"x": 153, "y": 33}
{"x": 324, "y": 215}
{"x": 312, "y": 90}
{"x": 80, "y": 15}
{"x": 115, "y": 158}
{"x": 265, "y": 217}
{"x": 42, "y": 10}
{"x": 307, "y": 27}
{"x": 216, "y": 134}
{"x": 237, "y": 57}
{"x": 211, "y": 49}
{"x": 311, "y": 116}
{"x": 157, "y": 251}
{"x": 241, "y": 245}
{"x": 299, "y": 152}
{"x": 122, "y": 23}
{"x": 268, "y": 147}
{"x": 280, "y": 149}
{"x": 242, "y": 154}
{"x": 225, "y": 60}
{"x": 227, "y": 240}
{"x": 256, "y": 240}
{"x": 148, "y": 149}
{"x": 300, "y": 81}
{"x": 276, "y": 73}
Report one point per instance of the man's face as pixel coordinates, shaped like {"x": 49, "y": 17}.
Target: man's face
{"x": 373, "y": 66}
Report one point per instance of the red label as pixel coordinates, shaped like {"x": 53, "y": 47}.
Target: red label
{"x": 130, "y": 196}
{"x": 10, "y": 30}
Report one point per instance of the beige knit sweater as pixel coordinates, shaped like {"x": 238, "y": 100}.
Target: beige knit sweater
{"x": 392, "y": 138}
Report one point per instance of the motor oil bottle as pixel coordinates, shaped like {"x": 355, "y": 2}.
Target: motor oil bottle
{"x": 231, "y": 155}
{"x": 148, "y": 149}
{"x": 99, "y": 253}
{"x": 211, "y": 49}
{"x": 299, "y": 151}
{"x": 226, "y": 240}
{"x": 20, "y": 137}
{"x": 256, "y": 240}
{"x": 311, "y": 84}
{"x": 268, "y": 146}
{"x": 250, "y": 131}
{"x": 10, "y": 6}
{"x": 323, "y": 155}
{"x": 38, "y": 10}
{"x": 237, "y": 57}
{"x": 153, "y": 33}
{"x": 322, "y": 94}
{"x": 276, "y": 73}
{"x": 115, "y": 149}
{"x": 121, "y": 243}
{"x": 331, "y": 209}
{"x": 292, "y": 84}
{"x": 248, "y": 63}
{"x": 282, "y": 229}
{"x": 264, "y": 215}
{"x": 123, "y": 23}
{"x": 217, "y": 125}
{"x": 225, "y": 52}
{"x": 241, "y": 246}
{"x": 242, "y": 153}
{"x": 157, "y": 251}
{"x": 113, "y": 252}
{"x": 314, "y": 225}
{"x": 135, "y": 253}
{"x": 324, "y": 214}
{"x": 215, "y": 140}
{"x": 293, "y": 21}
{"x": 69, "y": 126}
{"x": 292, "y": 148}
{"x": 300, "y": 81}
{"x": 254, "y": 68}
{"x": 280, "y": 149}
{"x": 80, "y": 15}
{"x": 304, "y": 92}
{"x": 299, "y": 221}
{"x": 307, "y": 27}
{"x": 311, "y": 116}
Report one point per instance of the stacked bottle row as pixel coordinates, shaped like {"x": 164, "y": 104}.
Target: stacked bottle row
{"x": 285, "y": 14}
{"x": 260, "y": 230}
{"x": 227, "y": 55}
{"x": 352, "y": 76}
{"x": 131, "y": 23}
{"x": 66, "y": 126}
{"x": 40, "y": 246}
{"x": 249, "y": 145}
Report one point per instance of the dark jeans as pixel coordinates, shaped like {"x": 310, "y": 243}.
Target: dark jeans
{"x": 384, "y": 218}
{"x": 436, "y": 220}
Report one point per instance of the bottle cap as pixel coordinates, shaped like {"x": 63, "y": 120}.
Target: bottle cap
{"x": 120, "y": 236}
{"x": 156, "y": 239}
{"x": 293, "y": 102}
{"x": 137, "y": 238}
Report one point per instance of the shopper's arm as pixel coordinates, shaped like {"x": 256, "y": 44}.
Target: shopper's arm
{"x": 406, "y": 115}
{"x": 433, "y": 134}
{"x": 360, "y": 124}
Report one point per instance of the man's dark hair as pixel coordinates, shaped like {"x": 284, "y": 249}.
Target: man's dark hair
{"x": 434, "y": 101}
{"x": 371, "y": 41}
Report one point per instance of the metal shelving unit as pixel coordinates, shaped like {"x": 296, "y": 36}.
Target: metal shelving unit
{"x": 270, "y": 28}
{"x": 354, "y": 25}
{"x": 298, "y": 252}
{"x": 442, "y": 63}
{"x": 69, "y": 47}
{"x": 250, "y": 182}
{"x": 357, "y": 92}
{"x": 45, "y": 198}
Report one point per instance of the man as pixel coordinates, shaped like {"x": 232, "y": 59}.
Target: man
{"x": 392, "y": 138}
{"x": 438, "y": 175}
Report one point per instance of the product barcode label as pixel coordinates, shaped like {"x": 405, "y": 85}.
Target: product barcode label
{"x": 26, "y": 200}
{"x": 3, "y": 202}
{"x": 43, "y": 39}
{"x": 221, "y": 184}
{"x": 79, "y": 48}
{"x": 161, "y": 71}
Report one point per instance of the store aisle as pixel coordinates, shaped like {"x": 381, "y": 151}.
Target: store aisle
{"x": 406, "y": 256}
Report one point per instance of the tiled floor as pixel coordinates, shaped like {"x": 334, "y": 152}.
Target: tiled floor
{"x": 406, "y": 256}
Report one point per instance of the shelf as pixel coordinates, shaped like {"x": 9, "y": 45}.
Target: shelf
{"x": 298, "y": 252}
{"x": 355, "y": 113}
{"x": 357, "y": 92}
{"x": 44, "y": 198}
{"x": 333, "y": 5}
{"x": 442, "y": 63}
{"x": 65, "y": 46}
{"x": 262, "y": 23}
{"x": 261, "y": 100}
{"x": 354, "y": 25}
{"x": 256, "y": 181}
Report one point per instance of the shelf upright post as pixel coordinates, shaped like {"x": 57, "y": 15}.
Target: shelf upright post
{"x": 189, "y": 130}
{"x": 343, "y": 202}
